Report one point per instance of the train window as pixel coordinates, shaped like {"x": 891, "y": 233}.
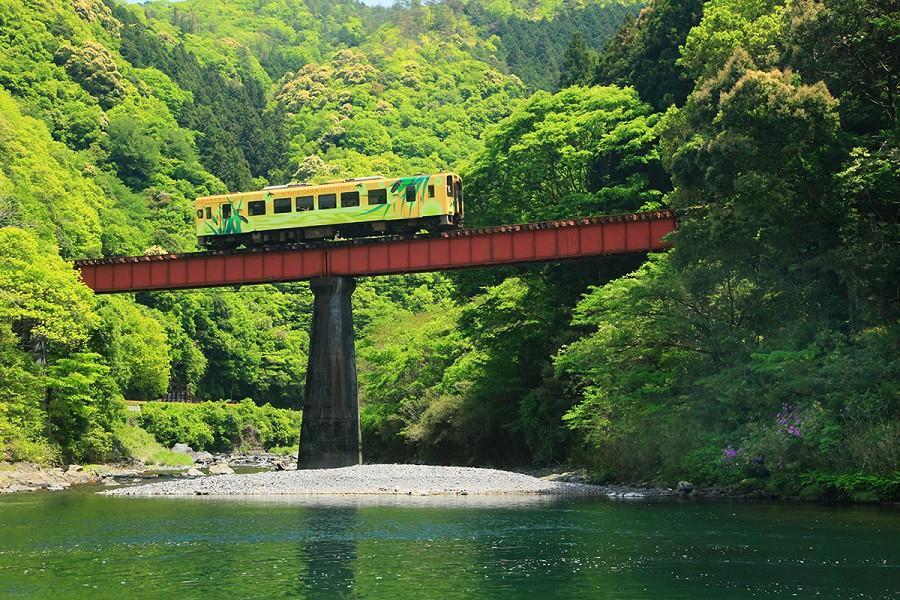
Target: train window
{"x": 327, "y": 200}
{"x": 431, "y": 191}
{"x": 349, "y": 199}
{"x": 449, "y": 185}
{"x": 282, "y": 205}
{"x": 208, "y": 212}
{"x": 199, "y": 213}
{"x": 378, "y": 196}
{"x": 304, "y": 203}
{"x": 410, "y": 193}
{"x": 226, "y": 211}
{"x": 257, "y": 207}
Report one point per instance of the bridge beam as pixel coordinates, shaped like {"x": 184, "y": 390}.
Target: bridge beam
{"x": 330, "y": 434}
{"x": 549, "y": 241}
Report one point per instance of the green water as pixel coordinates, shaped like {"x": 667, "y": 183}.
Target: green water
{"x": 77, "y": 544}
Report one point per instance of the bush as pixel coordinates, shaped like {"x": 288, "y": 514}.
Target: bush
{"x": 859, "y": 487}
{"x": 219, "y": 427}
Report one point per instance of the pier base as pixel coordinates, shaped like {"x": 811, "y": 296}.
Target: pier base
{"x": 329, "y": 435}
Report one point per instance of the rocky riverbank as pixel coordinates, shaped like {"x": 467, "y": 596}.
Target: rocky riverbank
{"x": 276, "y": 475}
{"x": 31, "y": 477}
{"x": 396, "y": 480}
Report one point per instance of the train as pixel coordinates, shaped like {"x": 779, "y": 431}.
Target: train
{"x": 348, "y": 208}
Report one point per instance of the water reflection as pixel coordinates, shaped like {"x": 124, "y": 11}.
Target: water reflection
{"x": 328, "y": 552}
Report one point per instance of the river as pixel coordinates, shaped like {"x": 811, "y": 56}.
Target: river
{"x": 76, "y": 544}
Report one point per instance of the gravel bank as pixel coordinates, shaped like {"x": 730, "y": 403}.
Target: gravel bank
{"x": 396, "y": 480}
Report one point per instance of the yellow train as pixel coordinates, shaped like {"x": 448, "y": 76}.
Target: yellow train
{"x": 358, "y": 207}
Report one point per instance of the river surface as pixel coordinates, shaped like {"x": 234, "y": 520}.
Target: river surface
{"x": 76, "y": 544}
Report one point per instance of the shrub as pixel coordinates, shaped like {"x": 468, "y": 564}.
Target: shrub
{"x": 860, "y": 487}
{"x": 219, "y": 427}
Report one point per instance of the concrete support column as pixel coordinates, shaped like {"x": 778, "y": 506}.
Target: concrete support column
{"x": 329, "y": 434}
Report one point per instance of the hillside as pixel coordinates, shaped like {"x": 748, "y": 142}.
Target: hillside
{"x": 760, "y": 352}
{"x": 116, "y": 116}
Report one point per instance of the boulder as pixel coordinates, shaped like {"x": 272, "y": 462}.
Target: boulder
{"x": 194, "y": 472}
{"x": 220, "y": 469}
{"x": 76, "y": 475}
{"x": 182, "y": 448}
{"x": 684, "y": 487}
{"x": 202, "y": 456}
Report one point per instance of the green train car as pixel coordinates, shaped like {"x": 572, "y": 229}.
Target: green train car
{"x": 359, "y": 207}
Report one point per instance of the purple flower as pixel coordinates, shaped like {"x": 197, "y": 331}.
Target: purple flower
{"x": 729, "y": 455}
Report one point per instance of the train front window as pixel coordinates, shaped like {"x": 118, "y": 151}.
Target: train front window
{"x": 378, "y": 196}
{"x": 449, "y": 186}
{"x": 304, "y": 203}
{"x": 411, "y": 193}
{"x": 349, "y": 199}
{"x": 208, "y": 212}
{"x": 281, "y": 206}
{"x": 226, "y": 211}
{"x": 256, "y": 208}
{"x": 327, "y": 201}
{"x": 431, "y": 191}
{"x": 199, "y": 213}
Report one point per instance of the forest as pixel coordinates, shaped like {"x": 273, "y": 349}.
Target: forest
{"x": 760, "y": 352}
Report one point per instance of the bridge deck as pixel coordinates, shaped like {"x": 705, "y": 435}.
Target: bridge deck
{"x": 508, "y": 244}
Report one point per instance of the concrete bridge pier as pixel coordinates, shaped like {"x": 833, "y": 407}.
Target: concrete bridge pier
{"x": 329, "y": 435}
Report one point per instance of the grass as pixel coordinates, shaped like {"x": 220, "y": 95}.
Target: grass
{"x": 285, "y": 450}
{"x": 141, "y": 445}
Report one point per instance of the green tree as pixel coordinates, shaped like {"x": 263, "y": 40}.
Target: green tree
{"x": 23, "y": 422}
{"x": 133, "y": 340}
{"x": 367, "y": 136}
{"x": 578, "y": 64}
{"x": 92, "y": 65}
{"x": 84, "y": 407}
{"x": 41, "y": 296}
{"x": 582, "y": 151}
{"x": 645, "y": 52}
{"x": 756, "y": 28}
{"x": 851, "y": 46}
{"x": 133, "y": 150}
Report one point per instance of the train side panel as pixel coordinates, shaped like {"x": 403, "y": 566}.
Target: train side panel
{"x": 337, "y": 205}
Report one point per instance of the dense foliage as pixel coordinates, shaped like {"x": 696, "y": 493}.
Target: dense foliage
{"x": 760, "y": 352}
{"x": 758, "y": 348}
{"x": 217, "y": 427}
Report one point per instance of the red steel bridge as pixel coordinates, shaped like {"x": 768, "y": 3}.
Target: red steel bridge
{"x": 548, "y": 241}
{"x": 330, "y": 432}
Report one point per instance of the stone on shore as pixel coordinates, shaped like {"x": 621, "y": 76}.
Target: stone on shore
{"x": 182, "y": 448}
{"x": 685, "y": 488}
{"x": 220, "y": 469}
{"x": 202, "y": 457}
